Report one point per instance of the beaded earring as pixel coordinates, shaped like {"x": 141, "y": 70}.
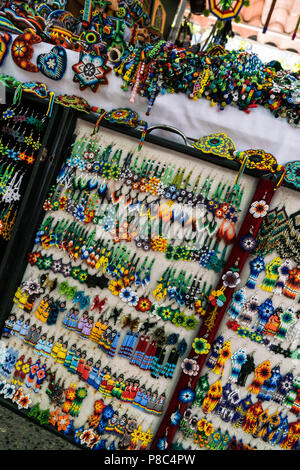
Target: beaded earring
{"x": 293, "y": 334}
{"x": 262, "y": 424}
{"x": 57, "y": 346}
{"x": 247, "y": 368}
{"x": 291, "y": 437}
{"x": 18, "y": 326}
{"x": 18, "y": 367}
{"x": 287, "y": 320}
{"x": 227, "y": 403}
{"x": 188, "y": 423}
{"x": 223, "y": 356}
{"x": 264, "y": 312}
{"x": 238, "y": 301}
{"x": 9, "y": 362}
{"x": 201, "y": 390}
{"x": 273, "y": 324}
{"x": 292, "y": 400}
{"x": 251, "y": 419}
{"x": 249, "y": 311}
{"x": 261, "y": 373}
{"x": 55, "y": 308}
{"x": 272, "y": 273}
{"x": 257, "y": 265}
{"x": 5, "y": 40}
{"x": 292, "y": 286}
{"x": 40, "y": 344}
{"x": 238, "y": 358}
{"x": 47, "y": 347}
{"x": 215, "y": 349}
{"x": 54, "y": 63}
{"x": 70, "y": 394}
{"x": 270, "y": 385}
{"x": 9, "y": 325}
{"x": 212, "y": 397}
{"x": 241, "y": 411}
{"x": 283, "y": 274}
{"x": 33, "y": 369}
{"x": 41, "y": 375}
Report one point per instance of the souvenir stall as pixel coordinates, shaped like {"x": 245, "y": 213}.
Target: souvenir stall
{"x": 149, "y": 281}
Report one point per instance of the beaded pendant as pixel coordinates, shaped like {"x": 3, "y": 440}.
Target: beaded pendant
{"x": 91, "y": 71}
{"x": 22, "y": 50}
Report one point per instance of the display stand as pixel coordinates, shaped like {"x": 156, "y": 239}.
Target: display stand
{"x": 60, "y": 134}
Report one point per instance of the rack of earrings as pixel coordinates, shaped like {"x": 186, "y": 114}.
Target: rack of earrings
{"x": 248, "y": 411}
{"x": 264, "y": 315}
{"x": 90, "y": 306}
{"x": 144, "y": 344}
{"x": 21, "y": 133}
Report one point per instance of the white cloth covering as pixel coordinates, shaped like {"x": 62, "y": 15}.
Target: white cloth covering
{"x": 257, "y": 130}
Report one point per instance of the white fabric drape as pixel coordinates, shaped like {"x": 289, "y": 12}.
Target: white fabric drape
{"x": 257, "y": 130}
